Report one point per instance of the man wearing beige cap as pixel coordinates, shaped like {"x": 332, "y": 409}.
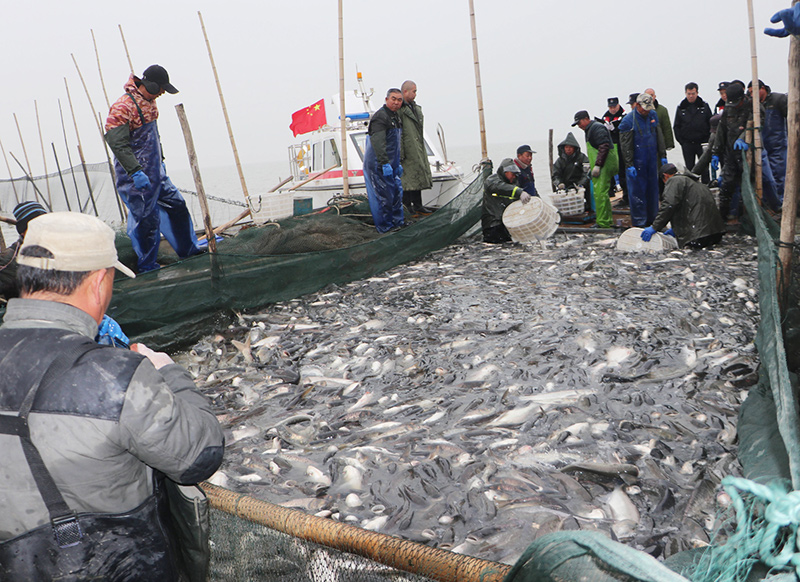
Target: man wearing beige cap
{"x": 88, "y": 432}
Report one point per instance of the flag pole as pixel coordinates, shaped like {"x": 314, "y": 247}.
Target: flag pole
{"x": 756, "y": 105}
{"x": 342, "y": 121}
{"x": 478, "y": 89}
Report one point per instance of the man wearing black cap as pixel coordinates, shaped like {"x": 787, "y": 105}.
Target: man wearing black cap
{"x": 693, "y": 127}
{"x": 142, "y": 181}
{"x": 603, "y": 157}
{"x": 24, "y": 213}
{"x": 690, "y": 207}
{"x": 524, "y": 162}
{"x": 612, "y": 118}
{"x": 723, "y": 97}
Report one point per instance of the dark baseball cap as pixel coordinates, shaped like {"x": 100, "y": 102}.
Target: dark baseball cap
{"x": 524, "y": 148}
{"x": 722, "y": 85}
{"x": 612, "y": 101}
{"x": 582, "y": 114}
{"x": 735, "y": 93}
{"x": 155, "y": 78}
{"x": 668, "y": 169}
{"x": 632, "y": 98}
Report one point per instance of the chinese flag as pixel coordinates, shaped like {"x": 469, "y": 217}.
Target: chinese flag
{"x": 309, "y": 119}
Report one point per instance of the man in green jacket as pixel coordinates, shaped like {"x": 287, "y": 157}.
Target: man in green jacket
{"x": 413, "y": 153}
{"x": 663, "y": 120}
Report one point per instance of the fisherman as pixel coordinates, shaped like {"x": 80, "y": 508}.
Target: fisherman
{"x": 690, "y": 206}
{"x": 642, "y": 147}
{"x": 570, "y": 169}
{"x": 499, "y": 191}
{"x": 414, "y": 153}
{"x": 603, "y": 157}
{"x": 81, "y": 499}
{"x": 24, "y": 212}
{"x": 524, "y": 161}
{"x": 612, "y": 118}
{"x": 155, "y": 204}
{"x": 382, "y": 168}
{"x": 693, "y": 127}
{"x": 774, "y": 130}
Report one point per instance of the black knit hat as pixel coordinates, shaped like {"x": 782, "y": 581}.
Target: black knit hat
{"x": 24, "y": 212}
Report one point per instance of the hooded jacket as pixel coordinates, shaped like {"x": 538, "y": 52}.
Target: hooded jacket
{"x": 569, "y": 170}
{"x": 498, "y": 194}
{"x": 413, "y": 152}
{"x": 691, "y": 208}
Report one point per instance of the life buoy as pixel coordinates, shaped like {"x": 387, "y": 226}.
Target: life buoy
{"x": 301, "y": 159}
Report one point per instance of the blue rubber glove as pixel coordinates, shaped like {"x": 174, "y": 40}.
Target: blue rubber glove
{"x": 670, "y": 232}
{"x": 388, "y": 171}
{"x": 648, "y": 233}
{"x": 109, "y": 333}
{"x": 791, "y": 22}
{"x": 399, "y": 173}
{"x": 715, "y": 163}
{"x": 140, "y": 180}
{"x": 631, "y": 172}
{"x": 740, "y": 144}
{"x": 664, "y": 161}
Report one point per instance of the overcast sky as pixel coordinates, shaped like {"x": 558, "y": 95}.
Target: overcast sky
{"x": 540, "y": 62}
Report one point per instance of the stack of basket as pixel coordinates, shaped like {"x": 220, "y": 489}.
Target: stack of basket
{"x": 568, "y": 202}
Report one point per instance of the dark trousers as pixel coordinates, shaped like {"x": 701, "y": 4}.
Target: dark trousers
{"x": 691, "y": 154}
{"x": 705, "y": 241}
{"x": 412, "y": 199}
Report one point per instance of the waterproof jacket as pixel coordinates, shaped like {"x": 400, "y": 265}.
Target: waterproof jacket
{"x": 123, "y": 118}
{"x": 102, "y": 428}
{"x": 383, "y": 120}
{"x": 665, "y": 125}
{"x": 733, "y": 126}
{"x": 498, "y": 193}
{"x": 691, "y": 208}
{"x": 414, "y": 152}
{"x": 774, "y": 132}
{"x": 634, "y": 131}
{"x": 598, "y": 136}
{"x": 569, "y": 170}
{"x": 693, "y": 122}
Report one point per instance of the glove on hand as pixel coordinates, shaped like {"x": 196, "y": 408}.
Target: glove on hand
{"x": 399, "y": 171}
{"x": 664, "y": 161}
{"x": 388, "y": 171}
{"x": 525, "y": 197}
{"x": 596, "y": 172}
{"x": 791, "y": 22}
{"x": 631, "y": 172}
{"x": 648, "y": 233}
{"x": 740, "y": 144}
{"x": 140, "y": 180}
{"x": 670, "y": 232}
{"x": 715, "y": 163}
{"x": 109, "y": 333}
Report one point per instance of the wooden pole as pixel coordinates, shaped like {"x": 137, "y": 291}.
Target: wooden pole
{"x": 756, "y": 104}
{"x": 28, "y": 173}
{"x": 127, "y": 54}
{"x": 198, "y": 180}
{"x": 36, "y": 191}
{"x": 478, "y": 89}
{"x": 102, "y": 138}
{"x": 100, "y": 70}
{"x": 10, "y": 175}
{"x": 61, "y": 177}
{"x": 311, "y": 179}
{"x": 282, "y": 182}
{"x": 342, "y": 123}
{"x": 792, "y": 185}
{"x": 224, "y": 111}
{"x": 69, "y": 156}
{"x": 80, "y": 151}
{"x": 44, "y": 158}
{"x": 550, "y": 154}
{"x": 22, "y": 143}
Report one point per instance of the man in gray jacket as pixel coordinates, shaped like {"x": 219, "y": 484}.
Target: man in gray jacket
{"x": 103, "y": 422}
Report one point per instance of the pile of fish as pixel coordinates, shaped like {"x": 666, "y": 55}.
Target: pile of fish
{"x": 489, "y": 394}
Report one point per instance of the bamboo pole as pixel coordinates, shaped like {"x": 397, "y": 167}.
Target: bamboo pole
{"x": 792, "y": 185}
{"x": 478, "y": 88}
{"x": 408, "y": 556}
{"x": 80, "y": 152}
{"x": 10, "y": 175}
{"x": 756, "y": 104}
{"x": 61, "y": 177}
{"x": 36, "y": 191}
{"x": 282, "y": 182}
{"x": 44, "y": 158}
{"x": 127, "y": 54}
{"x": 224, "y": 110}
{"x": 100, "y": 70}
{"x": 24, "y": 149}
{"x": 550, "y": 154}
{"x": 311, "y": 179}
{"x": 102, "y": 138}
{"x": 69, "y": 156}
{"x": 29, "y": 172}
{"x": 342, "y": 123}
{"x": 198, "y": 180}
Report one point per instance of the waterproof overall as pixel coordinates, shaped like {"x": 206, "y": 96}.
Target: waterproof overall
{"x": 160, "y": 209}
{"x": 385, "y": 193}
{"x": 775, "y": 143}
{"x": 601, "y": 184}
{"x": 643, "y": 196}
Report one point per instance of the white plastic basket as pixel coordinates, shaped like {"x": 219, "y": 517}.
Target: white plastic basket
{"x": 273, "y": 206}
{"x": 569, "y": 202}
{"x": 631, "y": 241}
{"x": 531, "y": 222}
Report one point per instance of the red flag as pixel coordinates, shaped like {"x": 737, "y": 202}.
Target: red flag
{"x": 309, "y": 119}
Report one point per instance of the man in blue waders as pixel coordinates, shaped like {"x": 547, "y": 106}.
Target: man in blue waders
{"x": 156, "y": 207}
{"x": 643, "y": 152}
{"x": 382, "y": 169}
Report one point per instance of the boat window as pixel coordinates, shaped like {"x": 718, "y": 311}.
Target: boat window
{"x": 360, "y": 141}
{"x": 317, "y": 151}
{"x": 332, "y": 158}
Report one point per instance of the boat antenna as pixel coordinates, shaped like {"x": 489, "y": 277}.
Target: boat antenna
{"x": 342, "y": 118}
{"x": 361, "y": 92}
